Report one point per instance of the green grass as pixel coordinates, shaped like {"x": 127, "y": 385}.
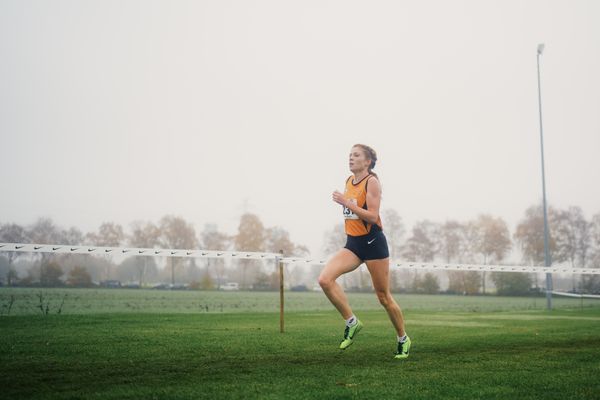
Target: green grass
{"x": 92, "y": 301}
{"x": 524, "y": 354}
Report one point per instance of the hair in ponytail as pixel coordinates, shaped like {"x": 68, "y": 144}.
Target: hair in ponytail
{"x": 370, "y": 154}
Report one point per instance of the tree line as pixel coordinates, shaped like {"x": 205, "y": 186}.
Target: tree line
{"x": 486, "y": 239}
{"x": 46, "y": 269}
{"x": 573, "y": 240}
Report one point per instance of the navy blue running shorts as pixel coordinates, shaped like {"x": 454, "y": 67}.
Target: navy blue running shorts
{"x": 372, "y": 246}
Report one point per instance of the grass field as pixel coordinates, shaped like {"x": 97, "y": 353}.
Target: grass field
{"x": 93, "y": 301}
{"x": 460, "y": 350}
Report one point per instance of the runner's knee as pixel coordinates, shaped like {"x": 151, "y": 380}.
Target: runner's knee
{"x": 384, "y": 298}
{"x": 325, "y": 282}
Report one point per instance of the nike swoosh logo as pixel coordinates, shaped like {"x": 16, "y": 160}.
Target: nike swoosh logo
{"x": 371, "y": 241}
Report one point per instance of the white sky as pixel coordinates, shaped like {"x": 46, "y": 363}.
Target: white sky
{"x": 125, "y": 110}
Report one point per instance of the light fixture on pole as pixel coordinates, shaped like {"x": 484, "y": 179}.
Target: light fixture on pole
{"x": 547, "y": 258}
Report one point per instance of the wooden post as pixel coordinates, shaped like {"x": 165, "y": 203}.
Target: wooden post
{"x": 281, "y": 313}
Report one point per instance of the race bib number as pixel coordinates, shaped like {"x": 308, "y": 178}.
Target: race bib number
{"x": 348, "y": 214}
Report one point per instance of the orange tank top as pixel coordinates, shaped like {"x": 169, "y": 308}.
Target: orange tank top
{"x": 357, "y": 193}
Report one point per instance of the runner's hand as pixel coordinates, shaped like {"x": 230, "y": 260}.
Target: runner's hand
{"x": 339, "y": 198}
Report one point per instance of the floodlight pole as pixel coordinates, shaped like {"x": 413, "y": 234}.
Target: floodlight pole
{"x": 547, "y": 258}
{"x": 279, "y": 264}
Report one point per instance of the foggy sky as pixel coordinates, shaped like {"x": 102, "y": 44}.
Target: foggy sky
{"x": 126, "y": 110}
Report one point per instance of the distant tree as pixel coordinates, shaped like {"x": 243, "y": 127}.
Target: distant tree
{"x": 12, "y": 233}
{"x": 176, "y": 233}
{"x": 44, "y": 231}
{"x": 278, "y": 239}
{"x": 212, "y": 239}
{"x": 493, "y": 242}
{"x": 571, "y": 232}
{"x": 109, "y": 235}
{"x": 262, "y": 281}
{"x": 512, "y": 283}
{"x": 465, "y": 282}
{"x": 72, "y": 236}
{"x": 430, "y": 283}
{"x": 470, "y": 243}
{"x": 595, "y": 241}
{"x": 451, "y": 239}
{"x": 530, "y": 235}
{"x": 251, "y": 236}
{"x": 590, "y": 284}
{"x": 144, "y": 235}
{"x": 335, "y": 239}
{"x": 296, "y": 276}
{"x": 50, "y": 275}
{"x": 395, "y": 231}
{"x": 301, "y": 250}
{"x": 79, "y": 277}
{"x": 128, "y": 270}
{"x": 494, "y": 238}
{"x": 207, "y": 283}
{"x": 423, "y": 244}
{"x": 415, "y": 284}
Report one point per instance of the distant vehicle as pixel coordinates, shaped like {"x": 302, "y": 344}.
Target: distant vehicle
{"x": 110, "y": 284}
{"x": 161, "y": 286}
{"x": 230, "y": 286}
{"x": 131, "y": 286}
{"x": 178, "y": 286}
{"x": 299, "y": 288}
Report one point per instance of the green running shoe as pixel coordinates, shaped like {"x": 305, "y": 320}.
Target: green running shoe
{"x": 349, "y": 334}
{"x": 403, "y": 349}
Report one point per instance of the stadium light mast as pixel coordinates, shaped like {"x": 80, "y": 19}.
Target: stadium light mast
{"x": 547, "y": 259}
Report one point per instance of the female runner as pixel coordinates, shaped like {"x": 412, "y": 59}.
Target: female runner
{"x": 365, "y": 243}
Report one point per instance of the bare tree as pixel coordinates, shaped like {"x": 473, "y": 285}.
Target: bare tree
{"x": 423, "y": 244}
{"x": 591, "y": 283}
{"x": 595, "y": 241}
{"x": 530, "y": 234}
{"x": 278, "y": 239}
{"x": 212, "y": 239}
{"x": 572, "y": 234}
{"x": 494, "y": 240}
{"x": 144, "y": 235}
{"x": 251, "y": 236}
{"x": 465, "y": 282}
{"x": 72, "y": 236}
{"x": 335, "y": 239}
{"x": 394, "y": 230}
{"x": 458, "y": 242}
{"x": 176, "y": 233}
{"x": 451, "y": 239}
{"x": 109, "y": 234}
{"x": 44, "y": 231}
{"x": 12, "y": 233}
